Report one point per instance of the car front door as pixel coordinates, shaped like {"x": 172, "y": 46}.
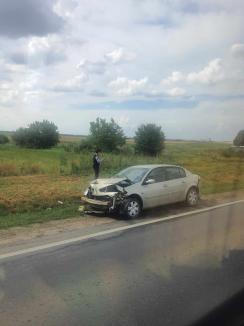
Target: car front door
{"x": 155, "y": 193}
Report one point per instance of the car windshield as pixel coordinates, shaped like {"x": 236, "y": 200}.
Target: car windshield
{"x": 134, "y": 174}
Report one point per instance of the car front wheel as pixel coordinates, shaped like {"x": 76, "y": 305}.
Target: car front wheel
{"x": 132, "y": 208}
{"x": 192, "y": 197}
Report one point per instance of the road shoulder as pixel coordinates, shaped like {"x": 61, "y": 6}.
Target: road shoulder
{"x": 21, "y": 237}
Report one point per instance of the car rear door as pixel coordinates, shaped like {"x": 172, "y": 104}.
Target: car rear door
{"x": 155, "y": 194}
{"x": 176, "y": 182}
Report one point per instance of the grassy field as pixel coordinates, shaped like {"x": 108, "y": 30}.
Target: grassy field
{"x": 63, "y": 138}
{"x": 37, "y": 185}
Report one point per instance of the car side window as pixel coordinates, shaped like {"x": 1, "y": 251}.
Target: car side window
{"x": 158, "y": 174}
{"x": 173, "y": 173}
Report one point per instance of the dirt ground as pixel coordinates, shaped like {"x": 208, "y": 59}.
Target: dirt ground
{"x": 17, "y": 234}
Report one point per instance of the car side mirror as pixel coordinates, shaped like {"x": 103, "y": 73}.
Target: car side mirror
{"x": 149, "y": 181}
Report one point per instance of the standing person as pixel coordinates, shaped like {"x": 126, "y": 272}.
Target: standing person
{"x": 97, "y": 162}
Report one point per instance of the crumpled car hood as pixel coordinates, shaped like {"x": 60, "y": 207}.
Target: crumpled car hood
{"x": 106, "y": 182}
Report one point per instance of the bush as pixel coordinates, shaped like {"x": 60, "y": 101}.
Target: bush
{"x": 38, "y": 135}
{"x": 87, "y": 145}
{"x": 106, "y": 135}
{"x": 71, "y": 147}
{"x": 21, "y": 137}
{"x": 3, "y": 139}
{"x": 149, "y": 139}
{"x": 227, "y": 152}
{"x": 68, "y": 147}
{"x": 239, "y": 139}
{"x": 84, "y": 145}
{"x": 127, "y": 149}
{"x": 233, "y": 152}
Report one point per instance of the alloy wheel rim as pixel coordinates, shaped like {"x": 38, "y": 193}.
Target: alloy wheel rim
{"x": 133, "y": 208}
{"x": 192, "y": 197}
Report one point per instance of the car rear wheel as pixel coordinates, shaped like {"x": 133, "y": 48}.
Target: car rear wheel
{"x": 132, "y": 208}
{"x": 192, "y": 197}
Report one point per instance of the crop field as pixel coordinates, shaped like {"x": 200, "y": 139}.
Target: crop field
{"x": 38, "y": 183}
{"x": 71, "y": 138}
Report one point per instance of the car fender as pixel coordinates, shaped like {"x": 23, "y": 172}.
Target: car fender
{"x": 191, "y": 186}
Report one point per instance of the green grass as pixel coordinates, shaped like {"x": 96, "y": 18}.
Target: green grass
{"x": 33, "y": 180}
{"x": 45, "y": 215}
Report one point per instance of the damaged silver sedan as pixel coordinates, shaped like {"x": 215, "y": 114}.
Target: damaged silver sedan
{"x": 140, "y": 187}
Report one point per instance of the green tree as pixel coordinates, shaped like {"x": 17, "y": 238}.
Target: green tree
{"x": 106, "y": 135}
{"x": 21, "y": 137}
{"x": 239, "y": 139}
{"x": 149, "y": 139}
{"x": 42, "y": 134}
{"x": 3, "y": 139}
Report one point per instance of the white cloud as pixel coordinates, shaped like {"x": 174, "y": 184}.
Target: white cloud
{"x": 75, "y": 84}
{"x": 123, "y": 86}
{"x": 120, "y": 55}
{"x": 92, "y": 67}
{"x": 30, "y": 82}
{"x": 37, "y": 52}
{"x": 175, "y": 77}
{"x": 224, "y": 75}
{"x": 104, "y": 64}
{"x": 212, "y": 73}
{"x": 237, "y": 50}
{"x": 65, "y": 8}
{"x": 8, "y": 96}
{"x": 44, "y": 50}
{"x": 176, "y": 91}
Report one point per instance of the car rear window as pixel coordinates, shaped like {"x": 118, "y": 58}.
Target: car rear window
{"x": 174, "y": 173}
{"x": 182, "y": 173}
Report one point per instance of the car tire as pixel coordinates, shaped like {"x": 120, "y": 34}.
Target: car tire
{"x": 192, "y": 197}
{"x": 132, "y": 208}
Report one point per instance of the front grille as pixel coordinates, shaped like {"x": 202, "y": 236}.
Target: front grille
{"x": 102, "y": 198}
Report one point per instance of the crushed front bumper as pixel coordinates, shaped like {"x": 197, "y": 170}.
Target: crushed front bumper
{"x": 95, "y": 202}
{"x": 106, "y": 205}
{"x": 94, "y": 205}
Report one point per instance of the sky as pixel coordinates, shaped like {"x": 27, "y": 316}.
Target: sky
{"x": 175, "y": 63}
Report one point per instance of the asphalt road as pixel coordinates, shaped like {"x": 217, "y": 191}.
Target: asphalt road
{"x": 166, "y": 273}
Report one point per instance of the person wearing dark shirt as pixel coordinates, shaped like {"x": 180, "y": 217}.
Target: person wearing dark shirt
{"x": 97, "y": 162}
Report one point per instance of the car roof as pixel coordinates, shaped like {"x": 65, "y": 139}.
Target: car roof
{"x": 151, "y": 166}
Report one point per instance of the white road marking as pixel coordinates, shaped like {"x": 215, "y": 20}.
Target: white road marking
{"x": 118, "y": 229}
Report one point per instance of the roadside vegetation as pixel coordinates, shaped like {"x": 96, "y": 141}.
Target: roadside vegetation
{"x": 4, "y": 139}
{"x": 37, "y": 185}
{"x": 239, "y": 139}
{"x": 48, "y": 180}
{"x": 39, "y": 134}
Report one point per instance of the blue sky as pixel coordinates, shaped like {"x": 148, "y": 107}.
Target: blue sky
{"x": 175, "y": 63}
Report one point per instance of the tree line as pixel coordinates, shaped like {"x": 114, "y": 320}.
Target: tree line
{"x": 106, "y": 135}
